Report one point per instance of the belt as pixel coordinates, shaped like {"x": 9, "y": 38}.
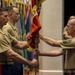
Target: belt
{"x": 6, "y": 62}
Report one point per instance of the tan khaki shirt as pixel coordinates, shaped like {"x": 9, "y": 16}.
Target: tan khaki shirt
{"x": 13, "y": 31}
{"x": 69, "y": 47}
{"x": 5, "y": 44}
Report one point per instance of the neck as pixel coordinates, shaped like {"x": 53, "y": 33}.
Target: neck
{"x": 1, "y": 26}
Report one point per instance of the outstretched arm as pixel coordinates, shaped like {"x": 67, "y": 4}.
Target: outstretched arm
{"x": 16, "y": 57}
{"x": 50, "y": 41}
{"x": 21, "y": 44}
{"x": 51, "y": 53}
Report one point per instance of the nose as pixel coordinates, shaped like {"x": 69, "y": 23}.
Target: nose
{"x": 19, "y": 15}
{"x": 8, "y": 18}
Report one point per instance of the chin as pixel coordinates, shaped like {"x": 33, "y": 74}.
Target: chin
{"x": 5, "y": 22}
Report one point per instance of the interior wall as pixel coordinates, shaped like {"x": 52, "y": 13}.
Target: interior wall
{"x": 51, "y": 18}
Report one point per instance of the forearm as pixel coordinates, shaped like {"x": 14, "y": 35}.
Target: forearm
{"x": 16, "y": 57}
{"x": 21, "y": 45}
{"x": 52, "y": 53}
{"x": 50, "y": 41}
{"x": 20, "y": 59}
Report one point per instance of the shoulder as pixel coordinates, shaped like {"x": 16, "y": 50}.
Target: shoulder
{"x": 69, "y": 42}
{"x": 7, "y": 27}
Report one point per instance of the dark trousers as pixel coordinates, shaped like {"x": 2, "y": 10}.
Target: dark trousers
{"x": 16, "y": 69}
{"x": 69, "y": 72}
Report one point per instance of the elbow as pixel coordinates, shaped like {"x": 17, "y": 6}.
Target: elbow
{"x": 23, "y": 46}
{"x": 12, "y": 55}
{"x": 53, "y": 44}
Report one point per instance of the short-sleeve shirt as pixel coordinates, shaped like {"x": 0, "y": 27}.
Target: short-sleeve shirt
{"x": 68, "y": 44}
{"x": 69, "y": 47}
{"x": 5, "y": 45}
{"x": 13, "y": 31}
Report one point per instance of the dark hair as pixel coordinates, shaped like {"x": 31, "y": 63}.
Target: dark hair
{"x": 3, "y": 9}
{"x": 10, "y": 8}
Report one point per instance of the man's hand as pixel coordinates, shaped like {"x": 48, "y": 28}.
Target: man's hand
{"x": 36, "y": 52}
{"x": 34, "y": 63}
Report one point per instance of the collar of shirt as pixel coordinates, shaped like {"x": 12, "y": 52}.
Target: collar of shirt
{"x": 13, "y": 26}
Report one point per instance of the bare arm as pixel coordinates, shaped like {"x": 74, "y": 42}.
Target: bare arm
{"x": 52, "y": 53}
{"x": 50, "y": 41}
{"x": 21, "y": 44}
{"x": 16, "y": 57}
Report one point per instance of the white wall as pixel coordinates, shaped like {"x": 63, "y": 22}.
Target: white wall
{"x": 51, "y": 20}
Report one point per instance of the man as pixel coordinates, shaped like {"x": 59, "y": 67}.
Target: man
{"x": 64, "y": 44}
{"x": 7, "y": 55}
{"x": 13, "y": 14}
{"x": 66, "y": 36}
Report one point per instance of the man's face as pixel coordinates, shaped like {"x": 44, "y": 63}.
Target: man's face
{"x": 15, "y": 14}
{"x": 70, "y": 27}
{"x": 4, "y": 17}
